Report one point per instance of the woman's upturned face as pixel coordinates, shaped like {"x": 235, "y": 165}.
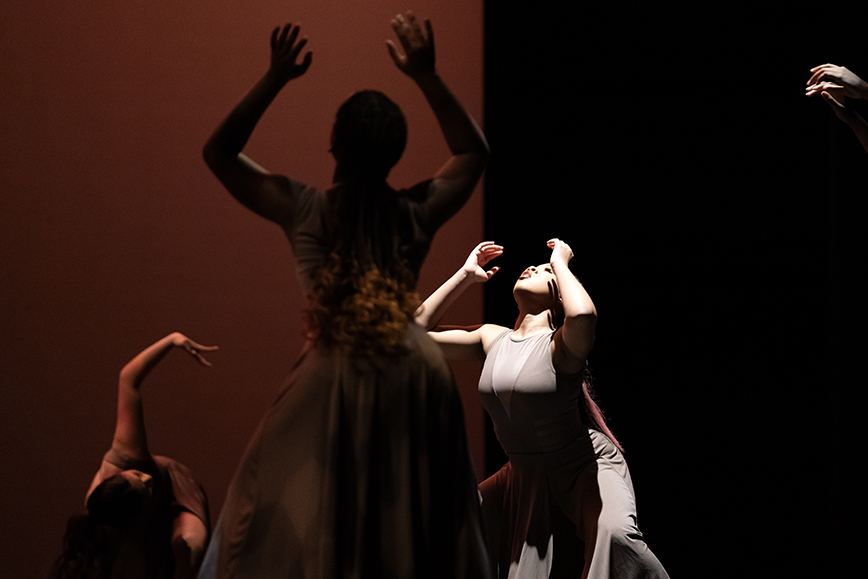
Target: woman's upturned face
{"x": 141, "y": 482}
{"x": 536, "y": 279}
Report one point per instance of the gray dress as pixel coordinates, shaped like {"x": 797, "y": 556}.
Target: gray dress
{"x": 360, "y": 469}
{"x": 561, "y": 476}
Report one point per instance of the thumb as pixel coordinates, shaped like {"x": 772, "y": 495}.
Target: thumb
{"x": 305, "y": 63}
{"x": 831, "y": 100}
{"x": 393, "y": 52}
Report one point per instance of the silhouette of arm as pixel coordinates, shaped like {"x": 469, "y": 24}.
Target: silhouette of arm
{"x": 266, "y": 194}
{"x": 455, "y": 180}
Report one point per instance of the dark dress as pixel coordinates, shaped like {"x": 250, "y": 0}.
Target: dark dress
{"x": 145, "y": 552}
{"x": 561, "y": 475}
{"x": 360, "y": 468}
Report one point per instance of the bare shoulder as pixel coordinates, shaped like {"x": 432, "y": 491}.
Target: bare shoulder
{"x": 466, "y": 342}
{"x": 563, "y": 360}
{"x": 488, "y": 333}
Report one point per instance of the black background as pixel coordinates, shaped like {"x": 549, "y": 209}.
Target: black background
{"x": 716, "y": 215}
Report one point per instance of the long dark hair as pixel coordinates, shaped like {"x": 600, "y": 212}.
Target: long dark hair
{"x": 115, "y": 503}
{"x": 364, "y": 296}
{"x": 90, "y": 543}
{"x": 592, "y": 414}
{"x": 369, "y": 136}
{"x": 88, "y": 550}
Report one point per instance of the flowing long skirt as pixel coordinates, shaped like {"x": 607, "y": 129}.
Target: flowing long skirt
{"x": 360, "y": 469}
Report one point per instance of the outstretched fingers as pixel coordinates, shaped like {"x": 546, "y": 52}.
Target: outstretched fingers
{"x": 408, "y": 31}
{"x": 418, "y": 51}
{"x": 279, "y": 34}
{"x": 285, "y": 48}
{"x": 821, "y": 86}
{"x": 430, "y": 30}
{"x": 486, "y": 251}
{"x": 818, "y": 72}
{"x": 560, "y": 250}
{"x": 196, "y": 349}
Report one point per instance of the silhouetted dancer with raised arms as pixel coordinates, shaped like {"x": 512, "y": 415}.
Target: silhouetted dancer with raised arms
{"x": 360, "y": 468}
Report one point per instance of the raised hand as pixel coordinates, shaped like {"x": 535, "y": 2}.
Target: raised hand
{"x": 474, "y": 267}
{"x": 194, "y": 349}
{"x": 418, "y": 57}
{"x": 285, "y": 48}
{"x": 130, "y": 438}
{"x": 836, "y": 80}
{"x": 560, "y": 251}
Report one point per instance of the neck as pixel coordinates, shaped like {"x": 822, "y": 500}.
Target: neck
{"x": 528, "y": 323}
{"x": 345, "y": 175}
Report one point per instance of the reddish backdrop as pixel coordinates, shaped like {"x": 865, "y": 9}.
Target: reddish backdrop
{"x": 113, "y": 233}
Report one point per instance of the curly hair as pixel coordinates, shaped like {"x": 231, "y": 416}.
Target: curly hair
{"x": 361, "y": 309}
{"x": 364, "y": 297}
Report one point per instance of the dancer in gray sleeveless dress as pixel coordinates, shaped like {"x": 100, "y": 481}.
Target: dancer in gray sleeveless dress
{"x": 566, "y": 479}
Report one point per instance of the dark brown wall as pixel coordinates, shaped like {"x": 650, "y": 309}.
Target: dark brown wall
{"x": 113, "y": 233}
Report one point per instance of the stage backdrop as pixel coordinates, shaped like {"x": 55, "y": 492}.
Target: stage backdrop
{"x": 718, "y": 220}
{"x": 113, "y": 232}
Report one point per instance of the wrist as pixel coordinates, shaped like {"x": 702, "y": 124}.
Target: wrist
{"x": 426, "y": 80}
{"x": 854, "y": 120}
{"x": 274, "y": 80}
{"x": 465, "y": 277}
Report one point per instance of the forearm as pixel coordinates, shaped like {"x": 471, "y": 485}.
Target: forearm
{"x": 860, "y": 129}
{"x": 130, "y": 438}
{"x": 462, "y": 134}
{"x": 229, "y": 139}
{"x": 432, "y": 309}
{"x": 136, "y": 369}
{"x": 576, "y": 300}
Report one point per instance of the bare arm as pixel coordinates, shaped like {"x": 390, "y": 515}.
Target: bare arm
{"x": 189, "y": 535}
{"x": 454, "y": 182}
{"x": 580, "y": 315}
{"x": 130, "y": 439}
{"x": 844, "y": 110}
{"x": 465, "y": 343}
{"x": 473, "y": 271}
{"x": 252, "y": 185}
